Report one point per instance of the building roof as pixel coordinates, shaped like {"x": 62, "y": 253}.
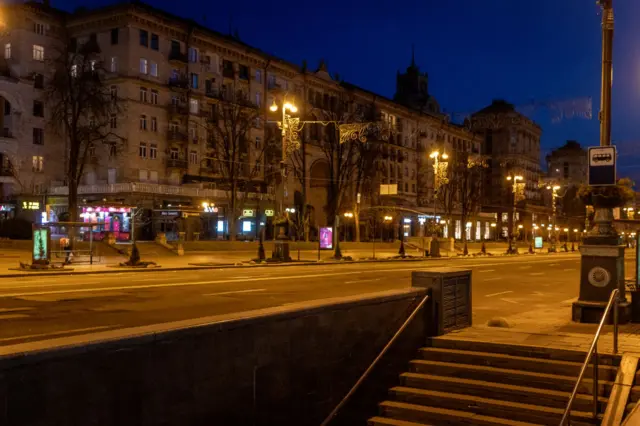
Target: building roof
{"x": 498, "y": 106}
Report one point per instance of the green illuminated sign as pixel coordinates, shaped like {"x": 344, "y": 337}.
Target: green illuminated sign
{"x": 40, "y": 252}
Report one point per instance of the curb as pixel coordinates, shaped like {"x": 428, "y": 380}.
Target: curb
{"x": 245, "y": 266}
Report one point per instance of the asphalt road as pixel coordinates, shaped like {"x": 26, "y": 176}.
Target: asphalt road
{"x": 39, "y": 308}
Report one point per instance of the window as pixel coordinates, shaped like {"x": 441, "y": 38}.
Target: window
{"x": 413, "y": 187}
{"x": 259, "y": 76}
{"x": 258, "y": 141}
{"x": 38, "y": 136}
{"x": 143, "y": 94}
{"x": 38, "y": 52}
{"x": 114, "y": 92}
{"x": 153, "y": 69}
{"x": 173, "y": 127}
{"x": 114, "y": 36}
{"x": 243, "y": 72}
{"x": 113, "y": 150}
{"x": 38, "y": 81}
{"x": 193, "y": 134}
{"x": 153, "y": 176}
{"x": 271, "y": 81}
{"x": 143, "y": 175}
{"x": 38, "y": 109}
{"x": 7, "y": 51}
{"x": 258, "y": 99}
{"x": 114, "y": 64}
{"x": 144, "y": 38}
{"x": 193, "y": 157}
{"x": 173, "y": 154}
{"x": 194, "y": 80}
{"x": 92, "y": 151}
{"x": 37, "y": 163}
{"x": 154, "y": 124}
{"x": 155, "y": 42}
{"x": 74, "y": 70}
{"x": 153, "y": 151}
{"x": 142, "y": 151}
{"x": 193, "y": 106}
{"x": 143, "y": 122}
{"x": 193, "y": 55}
{"x": 144, "y": 66}
{"x": 113, "y": 121}
{"x": 154, "y": 97}
{"x": 39, "y": 28}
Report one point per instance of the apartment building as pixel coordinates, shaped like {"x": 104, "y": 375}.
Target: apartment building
{"x": 173, "y": 73}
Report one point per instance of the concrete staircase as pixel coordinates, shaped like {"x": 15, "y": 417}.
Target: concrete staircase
{"x": 458, "y": 382}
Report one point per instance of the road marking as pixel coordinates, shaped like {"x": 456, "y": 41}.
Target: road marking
{"x": 485, "y": 270}
{"x": 253, "y": 290}
{"x": 3, "y": 310}
{"x": 498, "y": 294}
{"x": 510, "y": 301}
{"x": 491, "y": 279}
{"x": 362, "y": 281}
{"x": 57, "y": 333}
{"x": 147, "y": 279}
{"x": 12, "y": 316}
{"x": 569, "y": 269}
{"x": 526, "y": 267}
{"x": 2, "y": 287}
{"x": 553, "y": 264}
{"x": 536, "y": 273}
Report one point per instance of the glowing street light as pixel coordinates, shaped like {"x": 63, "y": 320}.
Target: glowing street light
{"x": 348, "y": 214}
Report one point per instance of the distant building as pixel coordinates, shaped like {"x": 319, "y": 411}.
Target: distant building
{"x": 568, "y": 164}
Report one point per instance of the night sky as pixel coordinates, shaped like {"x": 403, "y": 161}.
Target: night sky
{"x": 473, "y": 50}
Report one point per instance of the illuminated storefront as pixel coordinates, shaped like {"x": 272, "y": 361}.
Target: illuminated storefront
{"x": 115, "y": 219}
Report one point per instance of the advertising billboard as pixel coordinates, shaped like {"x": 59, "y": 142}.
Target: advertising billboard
{"x": 326, "y": 238}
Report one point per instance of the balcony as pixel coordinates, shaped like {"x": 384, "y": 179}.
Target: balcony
{"x": 178, "y": 109}
{"x": 178, "y": 57}
{"x": 173, "y": 163}
{"x": 176, "y": 136}
{"x": 148, "y": 188}
{"x": 180, "y": 82}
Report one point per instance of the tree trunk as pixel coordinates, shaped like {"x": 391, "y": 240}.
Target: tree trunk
{"x": 73, "y": 210}
{"x": 356, "y": 221}
{"x": 336, "y": 236}
{"x": 232, "y": 212}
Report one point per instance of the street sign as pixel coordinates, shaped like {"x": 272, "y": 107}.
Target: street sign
{"x": 602, "y": 165}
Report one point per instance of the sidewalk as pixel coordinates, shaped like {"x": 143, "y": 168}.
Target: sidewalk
{"x": 551, "y": 326}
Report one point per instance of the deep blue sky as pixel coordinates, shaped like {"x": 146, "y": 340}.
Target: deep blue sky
{"x": 473, "y": 50}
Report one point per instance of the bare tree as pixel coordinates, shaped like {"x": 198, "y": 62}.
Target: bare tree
{"x": 231, "y": 153}
{"x": 468, "y": 173}
{"x": 84, "y": 109}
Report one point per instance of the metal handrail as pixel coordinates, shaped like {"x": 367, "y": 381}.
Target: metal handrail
{"x": 374, "y": 363}
{"x": 593, "y": 353}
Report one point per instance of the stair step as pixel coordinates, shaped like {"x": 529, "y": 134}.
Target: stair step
{"x": 520, "y": 350}
{"x": 441, "y": 416}
{"x": 519, "y": 394}
{"x": 540, "y": 365}
{"x": 508, "y": 376}
{"x": 486, "y": 406}
{"x": 385, "y": 421}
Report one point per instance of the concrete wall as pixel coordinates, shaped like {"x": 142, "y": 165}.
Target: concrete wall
{"x": 278, "y": 366}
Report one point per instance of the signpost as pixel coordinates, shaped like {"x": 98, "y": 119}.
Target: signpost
{"x": 602, "y": 165}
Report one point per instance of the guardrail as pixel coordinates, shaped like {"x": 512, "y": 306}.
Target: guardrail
{"x": 593, "y": 354}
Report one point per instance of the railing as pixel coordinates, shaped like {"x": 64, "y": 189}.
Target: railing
{"x": 375, "y": 362}
{"x": 593, "y": 354}
{"x": 150, "y": 188}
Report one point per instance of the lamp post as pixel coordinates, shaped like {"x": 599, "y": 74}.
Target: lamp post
{"x": 554, "y": 206}
{"x": 515, "y": 188}
{"x": 439, "y": 177}
{"x": 281, "y": 249}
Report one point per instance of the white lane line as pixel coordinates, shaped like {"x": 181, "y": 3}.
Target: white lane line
{"x": 491, "y": 279}
{"x": 12, "y": 316}
{"x": 485, "y": 270}
{"x": 3, "y": 310}
{"x": 253, "y": 290}
{"x": 553, "y": 264}
{"x": 57, "y": 333}
{"x": 148, "y": 279}
{"x": 510, "y": 301}
{"x": 536, "y": 273}
{"x": 570, "y": 269}
{"x": 362, "y": 281}
{"x": 498, "y": 294}
{"x": 2, "y": 287}
{"x": 526, "y": 267}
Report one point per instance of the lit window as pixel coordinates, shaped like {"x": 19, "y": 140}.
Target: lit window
{"x": 38, "y": 53}
{"x": 74, "y": 70}
{"x": 114, "y": 64}
{"x": 193, "y": 106}
{"x": 144, "y": 66}
{"x": 37, "y": 163}
{"x": 7, "y": 51}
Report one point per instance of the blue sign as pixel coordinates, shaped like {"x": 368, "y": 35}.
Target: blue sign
{"x": 602, "y": 165}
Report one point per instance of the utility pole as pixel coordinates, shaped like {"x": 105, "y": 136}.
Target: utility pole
{"x": 607, "y": 72}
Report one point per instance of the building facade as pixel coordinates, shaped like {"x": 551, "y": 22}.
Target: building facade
{"x": 173, "y": 74}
